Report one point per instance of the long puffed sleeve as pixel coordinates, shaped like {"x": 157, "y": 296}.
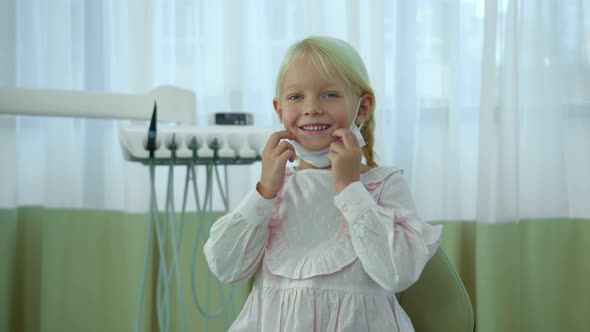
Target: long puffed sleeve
{"x": 392, "y": 243}
{"x": 236, "y": 244}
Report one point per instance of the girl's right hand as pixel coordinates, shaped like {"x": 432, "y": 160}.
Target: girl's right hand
{"x": 274, "y": 160}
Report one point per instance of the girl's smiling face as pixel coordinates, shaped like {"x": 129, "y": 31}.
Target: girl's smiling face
{"x": 311, "y": 106}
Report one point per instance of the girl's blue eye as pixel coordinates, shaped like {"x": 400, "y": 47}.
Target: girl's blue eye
{"x": 294, "y": 97}
{"x": 331, "y": 94}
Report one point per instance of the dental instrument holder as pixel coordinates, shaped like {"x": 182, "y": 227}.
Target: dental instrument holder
{"x": 206, "y": 154}
{"x": 211, "y": 150}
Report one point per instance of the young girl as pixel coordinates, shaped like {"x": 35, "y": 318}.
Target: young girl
{"x": 331, "y": 240}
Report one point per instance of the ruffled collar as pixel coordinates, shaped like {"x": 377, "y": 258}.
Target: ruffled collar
{"x": 334, "y": 254}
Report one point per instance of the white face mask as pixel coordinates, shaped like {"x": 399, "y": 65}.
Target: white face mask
{"x": 320, "y": 158}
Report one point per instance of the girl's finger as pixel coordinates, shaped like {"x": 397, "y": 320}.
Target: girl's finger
{"x": 350, "y": 140}
{"x": 340, "y": 132}
{"x": 332, "y": 157}
{"x": 281, "y": 148}
{"x": 276, "y": 137}
{"x": 337, "y": 147}
{"x": 288, "y": 154}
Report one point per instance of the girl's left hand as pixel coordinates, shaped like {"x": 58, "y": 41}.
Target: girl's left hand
{"x": 345, "y": 155}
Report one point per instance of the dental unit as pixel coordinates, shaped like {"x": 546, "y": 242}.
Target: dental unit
{"x": 168, "y": 146}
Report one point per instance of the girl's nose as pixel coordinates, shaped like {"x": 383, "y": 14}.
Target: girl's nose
{"x": 313, "y": 107}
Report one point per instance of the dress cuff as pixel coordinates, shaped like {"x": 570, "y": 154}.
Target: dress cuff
{"x": 354, "y": 201}
{"x": 255, "y": 208}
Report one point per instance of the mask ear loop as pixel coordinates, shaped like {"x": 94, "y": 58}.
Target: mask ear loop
{"x": 356, "y": 113}
{"x": 357, "y": 129}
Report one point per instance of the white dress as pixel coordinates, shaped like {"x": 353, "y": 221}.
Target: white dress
{"x": 324, "y": 261}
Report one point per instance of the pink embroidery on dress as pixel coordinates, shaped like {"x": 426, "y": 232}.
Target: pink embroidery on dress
{"x": 374, "y": 188}
{"x": 343, "y": 231}
{"x": 276, "y": 215}
{"x": 276, "y": 218}
{"x": 398, "y": 218}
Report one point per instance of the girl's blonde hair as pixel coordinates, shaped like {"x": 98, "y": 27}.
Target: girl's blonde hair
{"x": 341, "y": 63}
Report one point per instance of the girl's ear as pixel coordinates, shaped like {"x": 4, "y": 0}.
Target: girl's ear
{"x": 366, "y": 106}
{"x": 277, "y": 106}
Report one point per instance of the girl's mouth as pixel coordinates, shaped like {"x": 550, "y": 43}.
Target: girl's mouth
{"x": 315, "y": 129}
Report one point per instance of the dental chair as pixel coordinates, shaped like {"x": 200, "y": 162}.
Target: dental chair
{"x": 438, "y": 301}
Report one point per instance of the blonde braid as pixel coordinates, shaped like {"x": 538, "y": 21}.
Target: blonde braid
{"x": 368, "y": 131}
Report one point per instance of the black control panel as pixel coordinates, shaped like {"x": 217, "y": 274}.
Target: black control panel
{"x": 240, "y": 119}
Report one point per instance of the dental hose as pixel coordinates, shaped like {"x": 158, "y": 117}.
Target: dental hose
{"x": 165, "y": 276}
{"x": 204, "y": 219}
{"x": 153, "y": 219}
{"x": 170, "y": 211}
{"x": 145, "y": 270}
{"x": 161, "y": 244}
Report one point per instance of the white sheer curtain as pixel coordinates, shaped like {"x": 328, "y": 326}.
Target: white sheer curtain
{"x": 485, "y": 104}
{"x": 534, "y": 139}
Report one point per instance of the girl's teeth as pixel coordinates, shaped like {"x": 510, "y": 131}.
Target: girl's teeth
{"x": 315, "y": 128}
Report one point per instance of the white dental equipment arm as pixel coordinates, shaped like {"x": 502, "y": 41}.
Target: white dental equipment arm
{"x": 174, "y": 104}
